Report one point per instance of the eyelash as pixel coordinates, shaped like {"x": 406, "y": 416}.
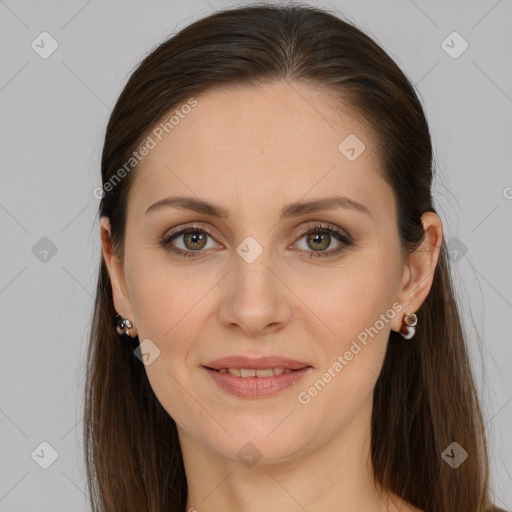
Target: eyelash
{"x": 344, "y": 240}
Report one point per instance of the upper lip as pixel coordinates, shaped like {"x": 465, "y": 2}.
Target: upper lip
{"x": 260, "y": 363}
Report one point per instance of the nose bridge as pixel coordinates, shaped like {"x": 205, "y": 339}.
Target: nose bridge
{"x": 254, "y": 296}
{"x": 252, "y": 277}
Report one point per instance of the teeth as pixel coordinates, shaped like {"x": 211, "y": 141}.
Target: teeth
{"x": 245, "y": 372}
{"x": 264, "y": 373}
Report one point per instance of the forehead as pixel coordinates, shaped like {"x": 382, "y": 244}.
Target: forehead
{"x": 277, "y": 142}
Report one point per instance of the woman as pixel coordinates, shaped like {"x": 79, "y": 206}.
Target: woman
{"x": 275, "y": 324}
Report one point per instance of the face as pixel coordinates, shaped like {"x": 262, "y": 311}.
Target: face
{"x": 255, "y": 283}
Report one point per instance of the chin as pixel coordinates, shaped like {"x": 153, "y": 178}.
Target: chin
{"x": 260, "y": 440}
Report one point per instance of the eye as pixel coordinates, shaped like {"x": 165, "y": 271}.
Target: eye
{"x": 319, "y": 238}
{"x": 194, "y": 239}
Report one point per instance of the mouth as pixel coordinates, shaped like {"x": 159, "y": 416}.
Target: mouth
{"x": 251, "y": 372}
{"x": 251, "y": 383}
{"x": 245, "y": 364}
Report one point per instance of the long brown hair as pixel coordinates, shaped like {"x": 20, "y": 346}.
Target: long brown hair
{"x": 425, "y": 397}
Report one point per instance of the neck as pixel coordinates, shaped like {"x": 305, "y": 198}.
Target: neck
{"x": 337, "y": 475}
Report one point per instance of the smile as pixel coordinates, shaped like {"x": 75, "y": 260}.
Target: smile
{"x": 247, "y": 372}
{"x": 251, "y": 383}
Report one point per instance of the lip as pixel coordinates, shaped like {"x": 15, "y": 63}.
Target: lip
{"x": 260, "y": 363}
{"x": 256, "y": 387}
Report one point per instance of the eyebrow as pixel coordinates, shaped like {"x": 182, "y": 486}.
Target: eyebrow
{"x": 291, "y": 210}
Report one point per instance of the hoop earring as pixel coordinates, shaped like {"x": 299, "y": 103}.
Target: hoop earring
{"x": 408, "y": 331}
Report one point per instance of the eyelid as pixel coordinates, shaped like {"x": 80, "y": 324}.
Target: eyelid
{"x": 179, "y": 230}
{"x": 319, "y": 225}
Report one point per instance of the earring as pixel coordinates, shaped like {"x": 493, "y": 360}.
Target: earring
{"x": 123, "y": 325}
{"x": 410, "y": 321}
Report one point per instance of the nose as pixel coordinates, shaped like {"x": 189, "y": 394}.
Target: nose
{"x": 254, "y": 298}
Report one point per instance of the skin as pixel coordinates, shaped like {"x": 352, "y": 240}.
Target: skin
{"x": 255, "y": 151}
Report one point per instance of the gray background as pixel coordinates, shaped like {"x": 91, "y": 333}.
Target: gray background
{"x": 53, "y": 116}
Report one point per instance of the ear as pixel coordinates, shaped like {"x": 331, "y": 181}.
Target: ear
{"x": 122, "y": 303}
{"x": 418, "y": 272}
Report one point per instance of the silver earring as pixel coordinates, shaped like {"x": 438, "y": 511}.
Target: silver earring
{"x": 408, "y": 331}
{"x": 123, "y": 325}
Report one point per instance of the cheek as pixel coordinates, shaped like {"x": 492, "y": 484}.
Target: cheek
{"x": 351, "y": 300}
{"x": 166, "y": 301}
{"x": 358, "y": 314}
{"x": 355, "y": 309}
{"x": 167, "y": 306}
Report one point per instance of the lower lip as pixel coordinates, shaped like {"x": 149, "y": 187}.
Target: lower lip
{"x": 256, "y": 387}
